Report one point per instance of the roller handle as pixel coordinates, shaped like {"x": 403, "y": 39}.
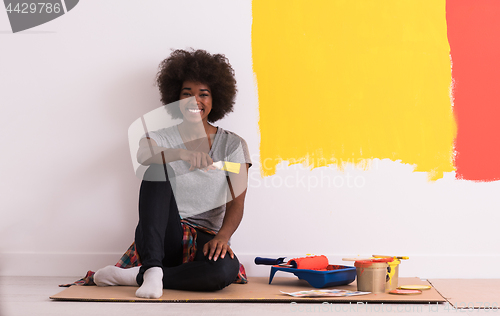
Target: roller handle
{"x": 269, "y": 261}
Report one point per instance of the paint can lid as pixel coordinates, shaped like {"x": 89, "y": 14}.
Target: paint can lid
{"x": 376, "y": 260}
{"x": 405, "y": 292}
{"x": 372, "y": 263}
{"x": 415, "y": 287}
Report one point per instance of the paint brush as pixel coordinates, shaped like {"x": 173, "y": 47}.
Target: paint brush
{"x": 233, "y": 167}
{"x": 395, "y": 257}
{"x": 357, "y": 259}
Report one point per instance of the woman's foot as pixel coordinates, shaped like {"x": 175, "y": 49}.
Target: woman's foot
{"x": 112, "y": 275}
{"x": 152, "y": 287}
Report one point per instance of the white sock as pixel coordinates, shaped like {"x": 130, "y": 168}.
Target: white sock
{"x": 152, "y": 287}
{"x": 112, "y": 275}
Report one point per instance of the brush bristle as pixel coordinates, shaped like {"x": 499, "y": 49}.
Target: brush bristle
{"x": 233, "y": 167}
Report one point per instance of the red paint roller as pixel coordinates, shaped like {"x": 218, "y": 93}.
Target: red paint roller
{"x": 310, "y": 263}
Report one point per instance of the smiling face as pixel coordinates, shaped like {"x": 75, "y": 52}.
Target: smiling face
{"x": 198, "y": 108}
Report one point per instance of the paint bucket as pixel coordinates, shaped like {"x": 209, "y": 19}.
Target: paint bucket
{"x": 392, "y": 275}
{"x": 372, "y": 274}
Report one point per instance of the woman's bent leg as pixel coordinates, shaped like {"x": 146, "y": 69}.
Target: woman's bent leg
{"x": 202, "y": 274}
{"x": 158, "y": 235}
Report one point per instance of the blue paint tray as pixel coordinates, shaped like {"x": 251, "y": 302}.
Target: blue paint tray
{"x": 338, "y": 275}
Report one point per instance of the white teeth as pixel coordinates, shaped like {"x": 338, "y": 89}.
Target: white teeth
{"x": 194, "y": 111}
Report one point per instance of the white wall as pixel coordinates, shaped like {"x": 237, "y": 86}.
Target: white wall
{"x": 69, "y": 90}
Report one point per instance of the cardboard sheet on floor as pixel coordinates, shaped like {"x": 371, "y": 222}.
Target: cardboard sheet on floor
{"x": 257, "y": 290}
{"x": 470, "y": 293}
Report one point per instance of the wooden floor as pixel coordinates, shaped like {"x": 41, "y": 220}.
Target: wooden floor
{"x": 26, "y": 296}
{"x": 470, "y": 293}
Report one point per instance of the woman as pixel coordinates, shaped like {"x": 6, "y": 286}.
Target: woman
{"x": 182, "y": 181}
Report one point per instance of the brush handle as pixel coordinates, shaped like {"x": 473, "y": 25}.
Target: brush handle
{"x": 356, "y": 259}
{"x": 218, "y": 165}
{"x": 269, "y": 261}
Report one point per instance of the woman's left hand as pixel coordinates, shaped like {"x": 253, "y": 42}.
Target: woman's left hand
{"x": 217, "y": 247}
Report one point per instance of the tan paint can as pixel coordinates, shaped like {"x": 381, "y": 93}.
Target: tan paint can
{"x": 371, "y": 275}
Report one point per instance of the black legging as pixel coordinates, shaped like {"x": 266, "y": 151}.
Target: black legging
{"x": 158, "y": 239}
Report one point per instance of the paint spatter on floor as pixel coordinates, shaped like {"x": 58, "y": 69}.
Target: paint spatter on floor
{"x": 353, "y": 80}
{"x": 473, "y": 33}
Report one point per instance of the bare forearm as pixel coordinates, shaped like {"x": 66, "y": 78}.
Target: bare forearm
{"x": 231, "y": 221}
{"x": 234, "y": 209}
{"x": 232, "y": 218}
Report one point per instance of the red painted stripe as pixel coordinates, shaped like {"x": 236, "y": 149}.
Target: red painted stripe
{"x": 474, "y": 37}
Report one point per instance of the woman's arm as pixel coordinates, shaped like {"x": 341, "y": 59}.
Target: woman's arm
{"x": 150, "y": 153}
{"x": 234, "y": 213}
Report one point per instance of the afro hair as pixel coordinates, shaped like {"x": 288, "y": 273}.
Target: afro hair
{"x": 199, "y": 66}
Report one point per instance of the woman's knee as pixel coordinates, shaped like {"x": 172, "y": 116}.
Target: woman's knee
{"x": 224, "y": 272}
{"x": 159, "y": 173}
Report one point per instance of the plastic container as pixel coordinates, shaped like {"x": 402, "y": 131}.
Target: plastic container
{"x": 336, "y": 275}
{"x": 372, "y": 274}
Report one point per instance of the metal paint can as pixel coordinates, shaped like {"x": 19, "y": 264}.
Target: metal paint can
{"x": 372, "y": 275}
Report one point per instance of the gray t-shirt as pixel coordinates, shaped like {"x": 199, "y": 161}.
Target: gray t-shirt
{"x": 202, "y": 196}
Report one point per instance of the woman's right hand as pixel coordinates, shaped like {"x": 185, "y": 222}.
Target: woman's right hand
{"x": 197, "y": 159}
